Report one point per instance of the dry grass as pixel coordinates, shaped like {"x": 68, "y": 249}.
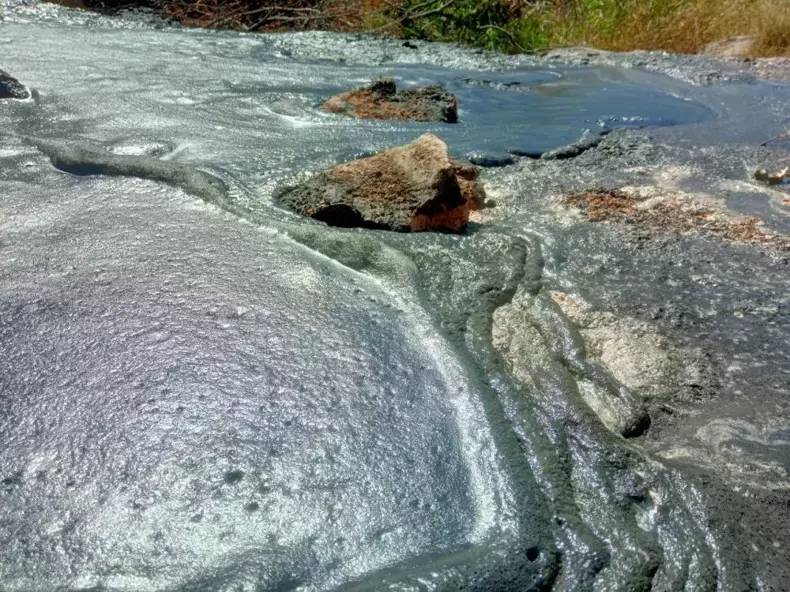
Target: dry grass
{"x": 684, "y": 26}
{"x": 253, "y": 15}
{"x": 688, "y": 25}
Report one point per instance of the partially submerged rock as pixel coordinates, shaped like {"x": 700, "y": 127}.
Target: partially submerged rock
{"x": 382, "y": 100}
{"x": 411, "y": 188}
{"x": 11, "y": 88}
{"x": 773, "y": 178}
{"x": 588, "y": 141}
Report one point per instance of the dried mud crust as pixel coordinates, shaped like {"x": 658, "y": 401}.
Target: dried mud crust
{"x": 676, "y": 214}
{"x": 672, "y": 380}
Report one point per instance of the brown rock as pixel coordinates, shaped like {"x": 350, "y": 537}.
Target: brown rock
{"x": 410, "y": 188}
{"x": 382, "y": 100}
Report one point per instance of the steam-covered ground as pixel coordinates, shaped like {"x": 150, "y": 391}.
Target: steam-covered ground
{"x": 201, "y": 391}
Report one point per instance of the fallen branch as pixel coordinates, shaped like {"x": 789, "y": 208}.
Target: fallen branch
{"x": 510, "y": 36}
{"x": 414, "y": 15}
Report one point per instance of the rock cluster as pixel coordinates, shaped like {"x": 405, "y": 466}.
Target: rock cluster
{"x": 382, "y": 100}
{"x": 410, "y": 188}
{"x": 11, "y": 88}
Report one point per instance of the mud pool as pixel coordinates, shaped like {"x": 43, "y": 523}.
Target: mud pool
{"x": 202, "y": 391}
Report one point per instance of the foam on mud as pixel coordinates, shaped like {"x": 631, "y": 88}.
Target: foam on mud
{"x": 84, "y": 161}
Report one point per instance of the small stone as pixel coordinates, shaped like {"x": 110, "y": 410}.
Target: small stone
{"x": 490, "y": 160}
{"x": 382, "y": 100}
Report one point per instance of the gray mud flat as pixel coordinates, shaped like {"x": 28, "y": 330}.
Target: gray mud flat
{"x": 200, "y": 390}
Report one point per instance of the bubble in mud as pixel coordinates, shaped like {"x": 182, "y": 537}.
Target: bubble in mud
{"x": 233, "y": 477}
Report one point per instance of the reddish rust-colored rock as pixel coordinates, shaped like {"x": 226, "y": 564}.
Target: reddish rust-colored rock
{"x": 467, "y": 176}
{"x": 411, "y": 188}
{"x": 382, "y": 100}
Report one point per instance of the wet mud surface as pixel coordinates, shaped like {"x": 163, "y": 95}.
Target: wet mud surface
{"x": 203, "y": 391}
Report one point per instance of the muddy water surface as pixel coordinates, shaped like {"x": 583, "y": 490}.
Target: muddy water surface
{"x": 201, "y": 391}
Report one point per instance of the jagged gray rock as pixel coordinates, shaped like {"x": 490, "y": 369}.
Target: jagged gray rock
{"x": 11, "y": 88}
